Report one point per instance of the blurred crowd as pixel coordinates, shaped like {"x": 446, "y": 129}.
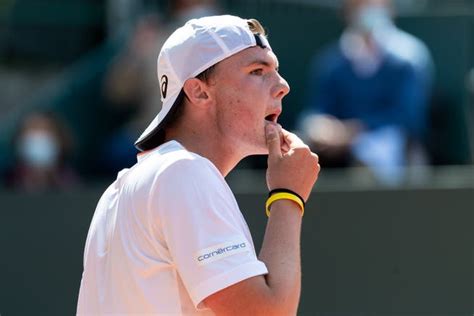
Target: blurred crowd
{"x": 368, "y": 100}
{"x": 368, "y": 95}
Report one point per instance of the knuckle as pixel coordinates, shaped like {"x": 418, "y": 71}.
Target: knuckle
{"x": 304, "y": 149}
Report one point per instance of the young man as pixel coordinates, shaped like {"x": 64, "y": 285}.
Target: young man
{"x": 167, "y": 236}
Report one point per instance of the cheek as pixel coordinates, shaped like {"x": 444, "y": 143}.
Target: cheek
{"x": 245, "y": 111}
{"x": 240, "y": 120}
{"x": 242, "y": 105}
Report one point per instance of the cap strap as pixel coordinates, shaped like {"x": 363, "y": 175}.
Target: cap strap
{"x": 261, "y": 40}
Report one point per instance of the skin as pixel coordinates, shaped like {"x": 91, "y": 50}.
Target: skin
{"x": 352, "y": 6}
{"x": 224, "y": 120}
{"x": 228, "y": 113}
{"x": 255, "y": 70}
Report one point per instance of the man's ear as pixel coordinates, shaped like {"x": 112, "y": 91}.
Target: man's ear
{"x": 196, "y": 91}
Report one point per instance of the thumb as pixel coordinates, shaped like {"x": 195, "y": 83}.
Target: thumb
{"x": 273, "y": 140}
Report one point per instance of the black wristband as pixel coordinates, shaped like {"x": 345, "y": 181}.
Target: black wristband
{"x": 278, "y": 190}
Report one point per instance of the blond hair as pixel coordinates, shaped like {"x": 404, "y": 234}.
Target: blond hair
{"x": 256, "y": 27}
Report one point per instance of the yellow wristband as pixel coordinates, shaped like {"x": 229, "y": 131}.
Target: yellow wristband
{"x": 283, "y": 196}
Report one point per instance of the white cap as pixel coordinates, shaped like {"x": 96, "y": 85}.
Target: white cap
{"x": 191, "y": 49}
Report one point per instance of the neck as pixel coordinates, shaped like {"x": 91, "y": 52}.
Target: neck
{"x": 218, "y": 151}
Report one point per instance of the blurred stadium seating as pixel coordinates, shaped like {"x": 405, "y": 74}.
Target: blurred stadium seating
{"x": 37, "y": 35}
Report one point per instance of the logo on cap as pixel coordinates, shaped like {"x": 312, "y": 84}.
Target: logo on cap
{"x": 164, "y": 85}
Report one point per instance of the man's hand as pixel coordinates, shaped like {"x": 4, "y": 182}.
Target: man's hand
{"x": 291, "y": 164}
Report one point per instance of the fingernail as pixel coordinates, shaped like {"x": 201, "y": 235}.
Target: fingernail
{"x": 270, "y": 129}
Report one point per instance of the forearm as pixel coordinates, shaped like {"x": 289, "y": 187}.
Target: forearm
{"x": 277, "y": 293}
{"x": 281, "y": 254}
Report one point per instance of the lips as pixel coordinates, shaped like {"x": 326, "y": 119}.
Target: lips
{"x": 272, "y": 117}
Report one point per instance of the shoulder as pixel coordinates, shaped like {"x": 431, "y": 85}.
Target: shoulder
{"x": 175, "y": 159}
{"x": 191, "y": 167}
{"x": 409, "y": 48}
{"x": 176, "y": 168}
{"x": 172, "y": 168}
{"x": 190, "y": 184}
{"x": 410, "y": 41}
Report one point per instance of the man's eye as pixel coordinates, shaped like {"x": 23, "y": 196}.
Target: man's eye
{"x": 257, "y": 72}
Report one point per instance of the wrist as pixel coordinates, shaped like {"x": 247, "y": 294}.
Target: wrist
{"x": 285, "y": 206}
{"x": 282, "y": 194}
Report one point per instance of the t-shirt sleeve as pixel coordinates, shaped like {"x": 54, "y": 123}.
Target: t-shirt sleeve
{"x": 204, "y": 231}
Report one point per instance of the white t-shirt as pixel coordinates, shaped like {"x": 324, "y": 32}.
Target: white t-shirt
{"x": 165, "y": 235}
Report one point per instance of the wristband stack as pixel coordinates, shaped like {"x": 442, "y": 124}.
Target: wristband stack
{"x": 284, "y": 194}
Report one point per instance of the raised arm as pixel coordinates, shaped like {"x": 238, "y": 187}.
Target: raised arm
{"x": 291, "y": 165}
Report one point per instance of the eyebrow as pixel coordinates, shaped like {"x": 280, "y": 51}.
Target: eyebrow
{"x": 262, "y": 62}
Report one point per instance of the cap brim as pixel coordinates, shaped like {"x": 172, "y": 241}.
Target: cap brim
{"x": 150, "y": 137}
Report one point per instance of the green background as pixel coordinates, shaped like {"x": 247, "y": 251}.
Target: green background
{"x": 383, "y": 252}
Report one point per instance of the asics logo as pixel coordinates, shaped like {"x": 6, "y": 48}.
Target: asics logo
{"x": 164, "y": 85}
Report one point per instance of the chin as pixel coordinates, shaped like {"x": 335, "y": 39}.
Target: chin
{"x": 259, "y": 153}
{"x": 255, "y": 146}
{"x": 260, "y": 149}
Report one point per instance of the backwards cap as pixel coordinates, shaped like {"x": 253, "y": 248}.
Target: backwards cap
{"x": 191, "y": 49}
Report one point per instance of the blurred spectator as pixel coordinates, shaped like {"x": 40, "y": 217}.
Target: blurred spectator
{"x": 109, "y": 96}
{"x": 369, "y": 93}
{"x": 41, "y": 145}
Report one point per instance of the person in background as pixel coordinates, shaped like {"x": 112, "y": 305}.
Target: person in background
{"x": 368, "y": 95}
{"x": 42, "y": 146}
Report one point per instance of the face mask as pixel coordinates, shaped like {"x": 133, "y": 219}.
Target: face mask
{"x": 371, "y": 18}
{"x": 38, "y": 149}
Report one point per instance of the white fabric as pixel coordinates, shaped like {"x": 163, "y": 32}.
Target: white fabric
{"x": 406, "y": 47}
{"x": 365, "y": 60}
{"x": 165, "y": 235}
{"x": 388, "y": 39}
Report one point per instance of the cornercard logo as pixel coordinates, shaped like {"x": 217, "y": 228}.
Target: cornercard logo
{"x": 220, "y": 251}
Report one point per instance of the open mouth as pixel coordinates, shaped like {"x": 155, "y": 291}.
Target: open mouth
{"x": 271, "y": 118}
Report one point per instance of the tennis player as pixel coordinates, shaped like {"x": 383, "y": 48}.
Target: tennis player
{"x": 167, "y": 236}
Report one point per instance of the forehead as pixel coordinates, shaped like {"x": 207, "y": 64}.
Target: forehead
{"x": 250, "y": 56}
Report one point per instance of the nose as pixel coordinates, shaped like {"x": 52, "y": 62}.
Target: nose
{"x": 281, "y": 88}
